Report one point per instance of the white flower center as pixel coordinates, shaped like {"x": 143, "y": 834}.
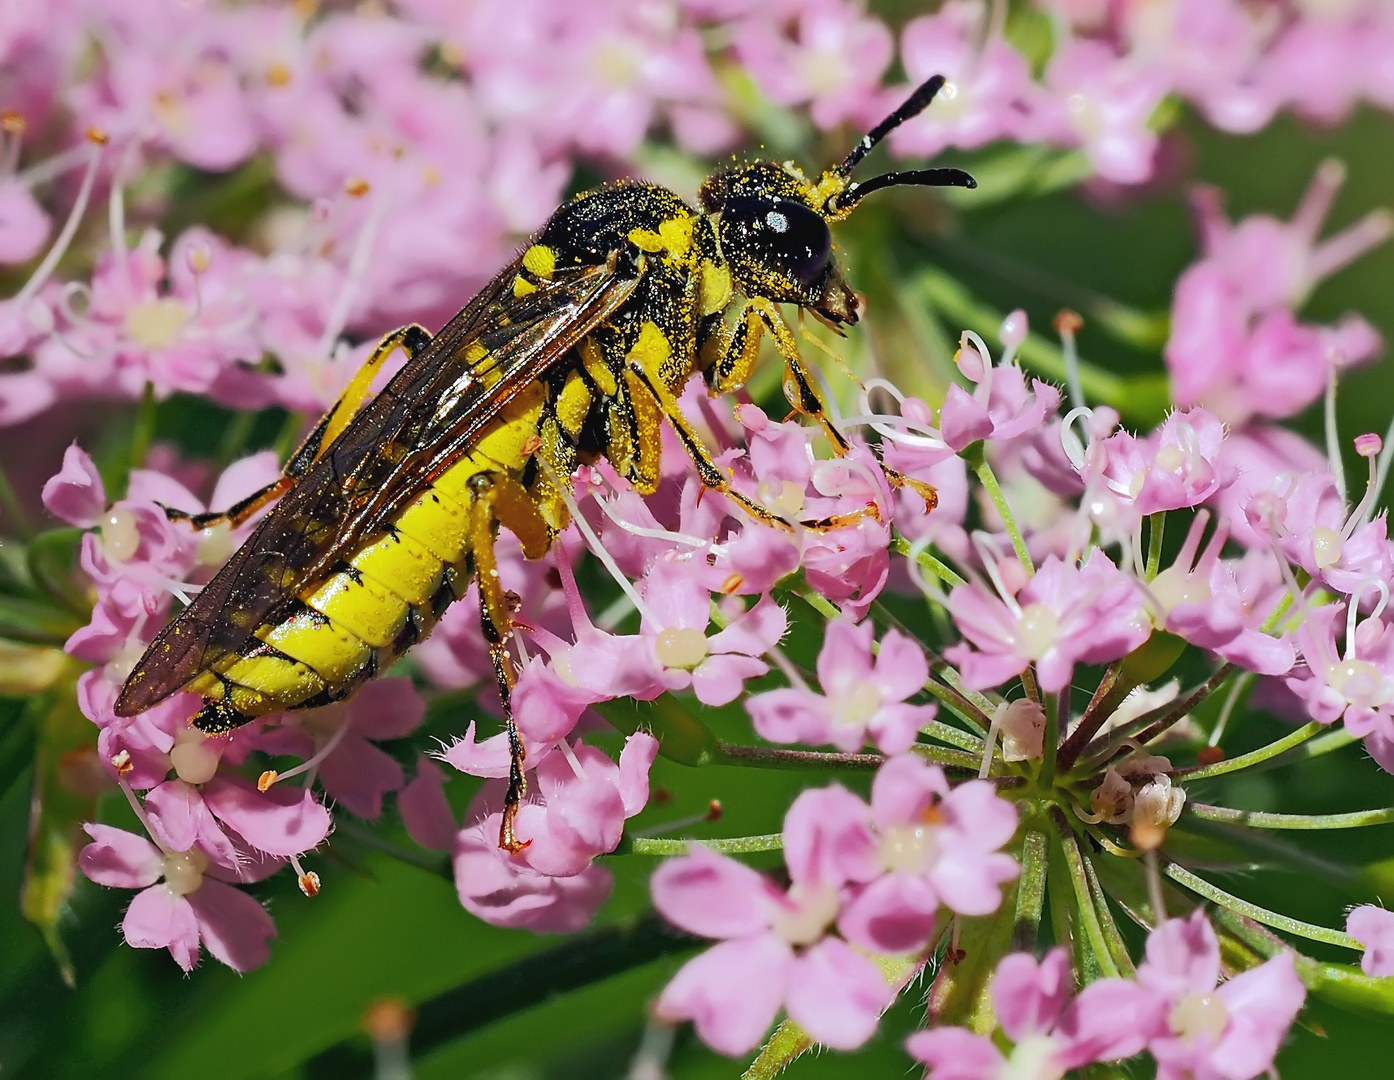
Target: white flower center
{"x": 784, "y": 497}
{"x": 194, "y": 758}
{"x": 155, "y": 324}
{"x": 1036, "y": 630}
{"x": 1326, "y": 547}
{"x": 120, "y": 535}
{"x": 215, "y": 545}
{"x": 1036, "y": 1057}
{"x": 1199, "y": 1017}
{"x": 1359, "y": 682}
{"x": 680, "y": 647}
{"x": 854, "y": 706}
{"x": 617, "y": 63}
{"x": 183, "y": 871}
{"x": 1175, "y": 586}
{"x": 909, "y": 849}
{"x": 810, "y": 911}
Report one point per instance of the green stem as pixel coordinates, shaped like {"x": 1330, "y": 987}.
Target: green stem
{"x": 1181, "y": 709}
{"x": 1260, "y": 820}
{"x": 926, "y": 561}
{"x": 1117, "y": 947}
{"x": 1157, "y": 523}
{"x": 1237, "y": 690}
{"x": 141, "y": 435}
{"x": 952, "y": 736}
{"x": 14, "y": 509}
{"x": 580, "y": 961}
{"x": 819, "y": 603}
{"x": 1216, "y": 895}
{"x": 994, "y": 492}
{"x": 1276, "y": 615}
{"x": 1255, "y": 757}
{"x": 1159, "y": 719}
{"x": 1030, "y": 895}
{"x": 788, "y": 1042}
{"x": 734, "y": 845}
{"x": 1050, "y": 741}
{"x": 422, "y": 860}
{"x": 1084, "y": 900}
{"x": 773, "y": 757}
{"x": 959, "y": 705}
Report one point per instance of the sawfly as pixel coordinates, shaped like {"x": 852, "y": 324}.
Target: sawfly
{"x": 578, "y": 350}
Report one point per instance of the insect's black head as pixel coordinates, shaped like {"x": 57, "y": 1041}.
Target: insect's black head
{"x": 773, "y": 223}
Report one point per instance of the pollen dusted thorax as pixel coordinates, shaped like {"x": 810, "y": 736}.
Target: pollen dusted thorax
{"x": 626, "y": 294}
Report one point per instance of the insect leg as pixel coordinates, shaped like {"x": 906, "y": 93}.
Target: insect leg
{"x": 498, "y": 499}
{"x": 409, "y": 338}
{"x": 707, "y": 470}
{"x": 800, "y": 388}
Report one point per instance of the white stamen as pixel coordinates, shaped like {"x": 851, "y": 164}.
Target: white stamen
{"x": 982, "y": 543}
{"x": 1353, "y": 610}
{"x": 651, "y": 534}
{"x": 312, "y": 763}
{"x": 60, "y": 246}
{"x": 1333, "y": 437}
{"x": 566, "y": 751}
{"x": 593, "y": 542}
{"x": 357, "y": 268}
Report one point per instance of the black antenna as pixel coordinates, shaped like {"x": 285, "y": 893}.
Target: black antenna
{"x": 921, "y": 177}
{"x": 915, "y": 104}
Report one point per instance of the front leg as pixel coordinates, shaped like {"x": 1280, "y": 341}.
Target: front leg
{"x": 734, "y": 353}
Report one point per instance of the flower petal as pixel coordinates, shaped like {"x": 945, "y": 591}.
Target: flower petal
{"x": 731, "y": 992}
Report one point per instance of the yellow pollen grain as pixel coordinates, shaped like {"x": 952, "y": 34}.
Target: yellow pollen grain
{"x": 540, "y": 261}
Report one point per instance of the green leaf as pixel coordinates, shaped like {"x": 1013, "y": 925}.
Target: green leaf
{"x": 67, "y": 780}
{"x": 682, "y": 737}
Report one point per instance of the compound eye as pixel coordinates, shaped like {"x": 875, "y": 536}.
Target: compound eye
{"x": 789, "y": 235}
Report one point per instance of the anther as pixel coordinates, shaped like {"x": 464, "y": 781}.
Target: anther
{"x": 357, "y": 187}
{"x": 96, "y": 136}
{"x": 121, "y": 762}
{"x": 266, "y": 779}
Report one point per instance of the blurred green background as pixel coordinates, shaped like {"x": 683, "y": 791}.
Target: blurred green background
{"x": 523, "y": 1007}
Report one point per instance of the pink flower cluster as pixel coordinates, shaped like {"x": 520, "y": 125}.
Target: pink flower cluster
{"x": 880, "y": 873}
{"x": 1195, "y": 1026}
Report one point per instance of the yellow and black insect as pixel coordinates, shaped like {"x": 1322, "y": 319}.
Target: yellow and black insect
{"x": 576, "y": 351}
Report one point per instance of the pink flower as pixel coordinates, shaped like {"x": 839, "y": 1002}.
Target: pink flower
{"x": 989, "y": 96}
{"x": 1176, "y": 466}
{"x": 180, "y": 905}
{"x": 23, "y": 224}
{"x": 860, "y": 698}
{"x": 1205, "y": 601}
{"x": 719, "y": 665}
{"x": 76, "y": 493}
{"x": 1230, "y": 1030}
{"x": 834, "y": 59}
{"x": 1373, "y": 927}
{"x": 773, "y": 947}
{"x": 1236, "y": 345}
{"x": 1356, "y": 685}
{"x": 1053, "y": 1032}
{"x": 577, "y": 811}
{"x": 1065, "y": 615}
{"x": 921, "y": 845}
{"x": 1104, "y": 102}
{"x": 1000, "y": 408}
{"x": 339, "y": 738}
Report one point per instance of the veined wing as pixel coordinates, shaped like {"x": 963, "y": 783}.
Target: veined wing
{"x": 425, "y": 419}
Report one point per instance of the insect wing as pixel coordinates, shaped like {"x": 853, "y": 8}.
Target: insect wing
{"x": 425, "y": 419}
